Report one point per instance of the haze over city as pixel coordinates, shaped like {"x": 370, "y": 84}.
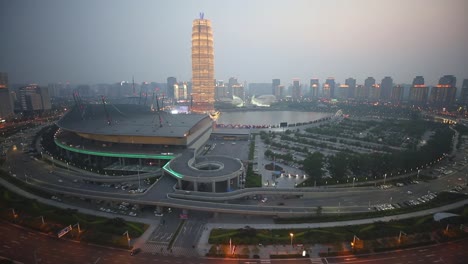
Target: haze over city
{"x": 255, "y": 41}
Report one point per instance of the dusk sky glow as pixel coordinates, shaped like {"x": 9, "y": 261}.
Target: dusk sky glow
{"x": 108, "y": 41}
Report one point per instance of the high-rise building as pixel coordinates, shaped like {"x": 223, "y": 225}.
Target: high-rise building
{"x": 203, "y": 89}
{"x": 239, "y": 91}
{"x": 361, "y": 92}
{"x": 231, "y": 83}
{"x": 34, "y": 98}
{"x": 374, "y": 92}
{"x": 464, "y": 93}
{"x": 220, "y": 89}
{"x": 180, "y": 91}
{"x": 296, "y": 89}
{"x": 397, "y": 94}
{"x": 418, "y": 91}
{"x": 314, "y": 87}
{"x": 343, "y": 91}
{"x": 351, "y": 82}
{"x": 171, "y": 82}
{"x": 368, "y": 83}
{"x": 6, "y": 106}
{"x": 331, "y": 86}
{"x": 56, "y": 88}
{"x": 443, "y": 94}
{"x": 386, "y": 88}
{"x": 274, "y": 87}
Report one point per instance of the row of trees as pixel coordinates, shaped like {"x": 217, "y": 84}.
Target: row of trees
{"x": 377, "y": 164}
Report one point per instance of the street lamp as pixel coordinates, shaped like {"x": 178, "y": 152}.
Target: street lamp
{"x": 385, "y": 178}
{"x": 291, "y": 235}
{"x": 353, "y": 243}
{"x": 128, "y": 237}
{"x": 15, "y": 215}
{"x": 138, "y": 171}
{"x": 399, "y": 236}
{"x": 353, "y": 181}
{"x": 418, "y": 174}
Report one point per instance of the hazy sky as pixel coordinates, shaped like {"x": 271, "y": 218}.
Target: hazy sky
{"x": 91, "y": 41}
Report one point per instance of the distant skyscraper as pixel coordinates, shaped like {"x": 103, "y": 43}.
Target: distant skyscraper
{"x": 351, "y": 82}
{"x": 239, "y": 91}
{"x": 6, "y": 106}
{"x": 314, "y": 87}
{"x": 180, "y": 91}
{"x": 397, "y": 94}
{"x": 331, "y": 86}
{"x": 361, "y": 92}
{"x": 374, "y": 92}
{"x": 203, "y": 89}
{"x": 296, "y": 89}
{"x": 343, "y": 91}
{"x": 55, "y": 89}
{"x": 220, "y": 90}
{"x": 444, "y": 93}
{"x": 171, "y": 82}
{"x": 368, "y": 84}
{"x": 386, "y": 88}
{"x": 464, "y": 93}
{"x": 231, "y": 83}
{"x": 418, "y": 91}
{"x": 34, "y": 98}
{"x": 274, "y": 87}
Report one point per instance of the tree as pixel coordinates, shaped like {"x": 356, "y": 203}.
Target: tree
{"x": 338, "y": 165}
{"x": 313, "y": 165}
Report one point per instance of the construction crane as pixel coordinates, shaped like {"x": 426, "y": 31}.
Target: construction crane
{"x": 159, "y": 113}
{"x": 79, "y": 105}
{"x": 109, "y": 120}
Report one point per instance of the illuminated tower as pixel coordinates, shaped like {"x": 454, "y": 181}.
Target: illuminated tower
{"x": 314, "y": 87}
{"x": 203, "y": 81}
{"x": 418, "y": 91}
{"x": 444, "y": 93}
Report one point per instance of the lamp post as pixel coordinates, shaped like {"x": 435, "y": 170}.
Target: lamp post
{"x": 418, "y": 174}
{"x": 128, "y": 237}
{"x": 384, "y": 178}
{"x": 14, "y": 213}
{"x": 399, "y": 236}
{"x": 138, "y": 172}
{"x": 77, "y": 225}
{"x": 353, "y": 181}
{"x": 291, "y": 235}
{"x": 353, "y": 243}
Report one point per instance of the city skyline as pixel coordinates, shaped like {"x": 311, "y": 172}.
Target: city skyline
{"x": 256, "y": 41}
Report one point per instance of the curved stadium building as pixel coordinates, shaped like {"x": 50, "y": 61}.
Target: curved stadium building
{"x": 130, "y": 138}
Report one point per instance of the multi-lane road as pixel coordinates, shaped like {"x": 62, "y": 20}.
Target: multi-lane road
{"x": 26, "y": 246}
{"x": 331, "y": 199}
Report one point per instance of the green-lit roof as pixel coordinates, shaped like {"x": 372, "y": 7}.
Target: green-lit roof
{"x": 114, "y": 154}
